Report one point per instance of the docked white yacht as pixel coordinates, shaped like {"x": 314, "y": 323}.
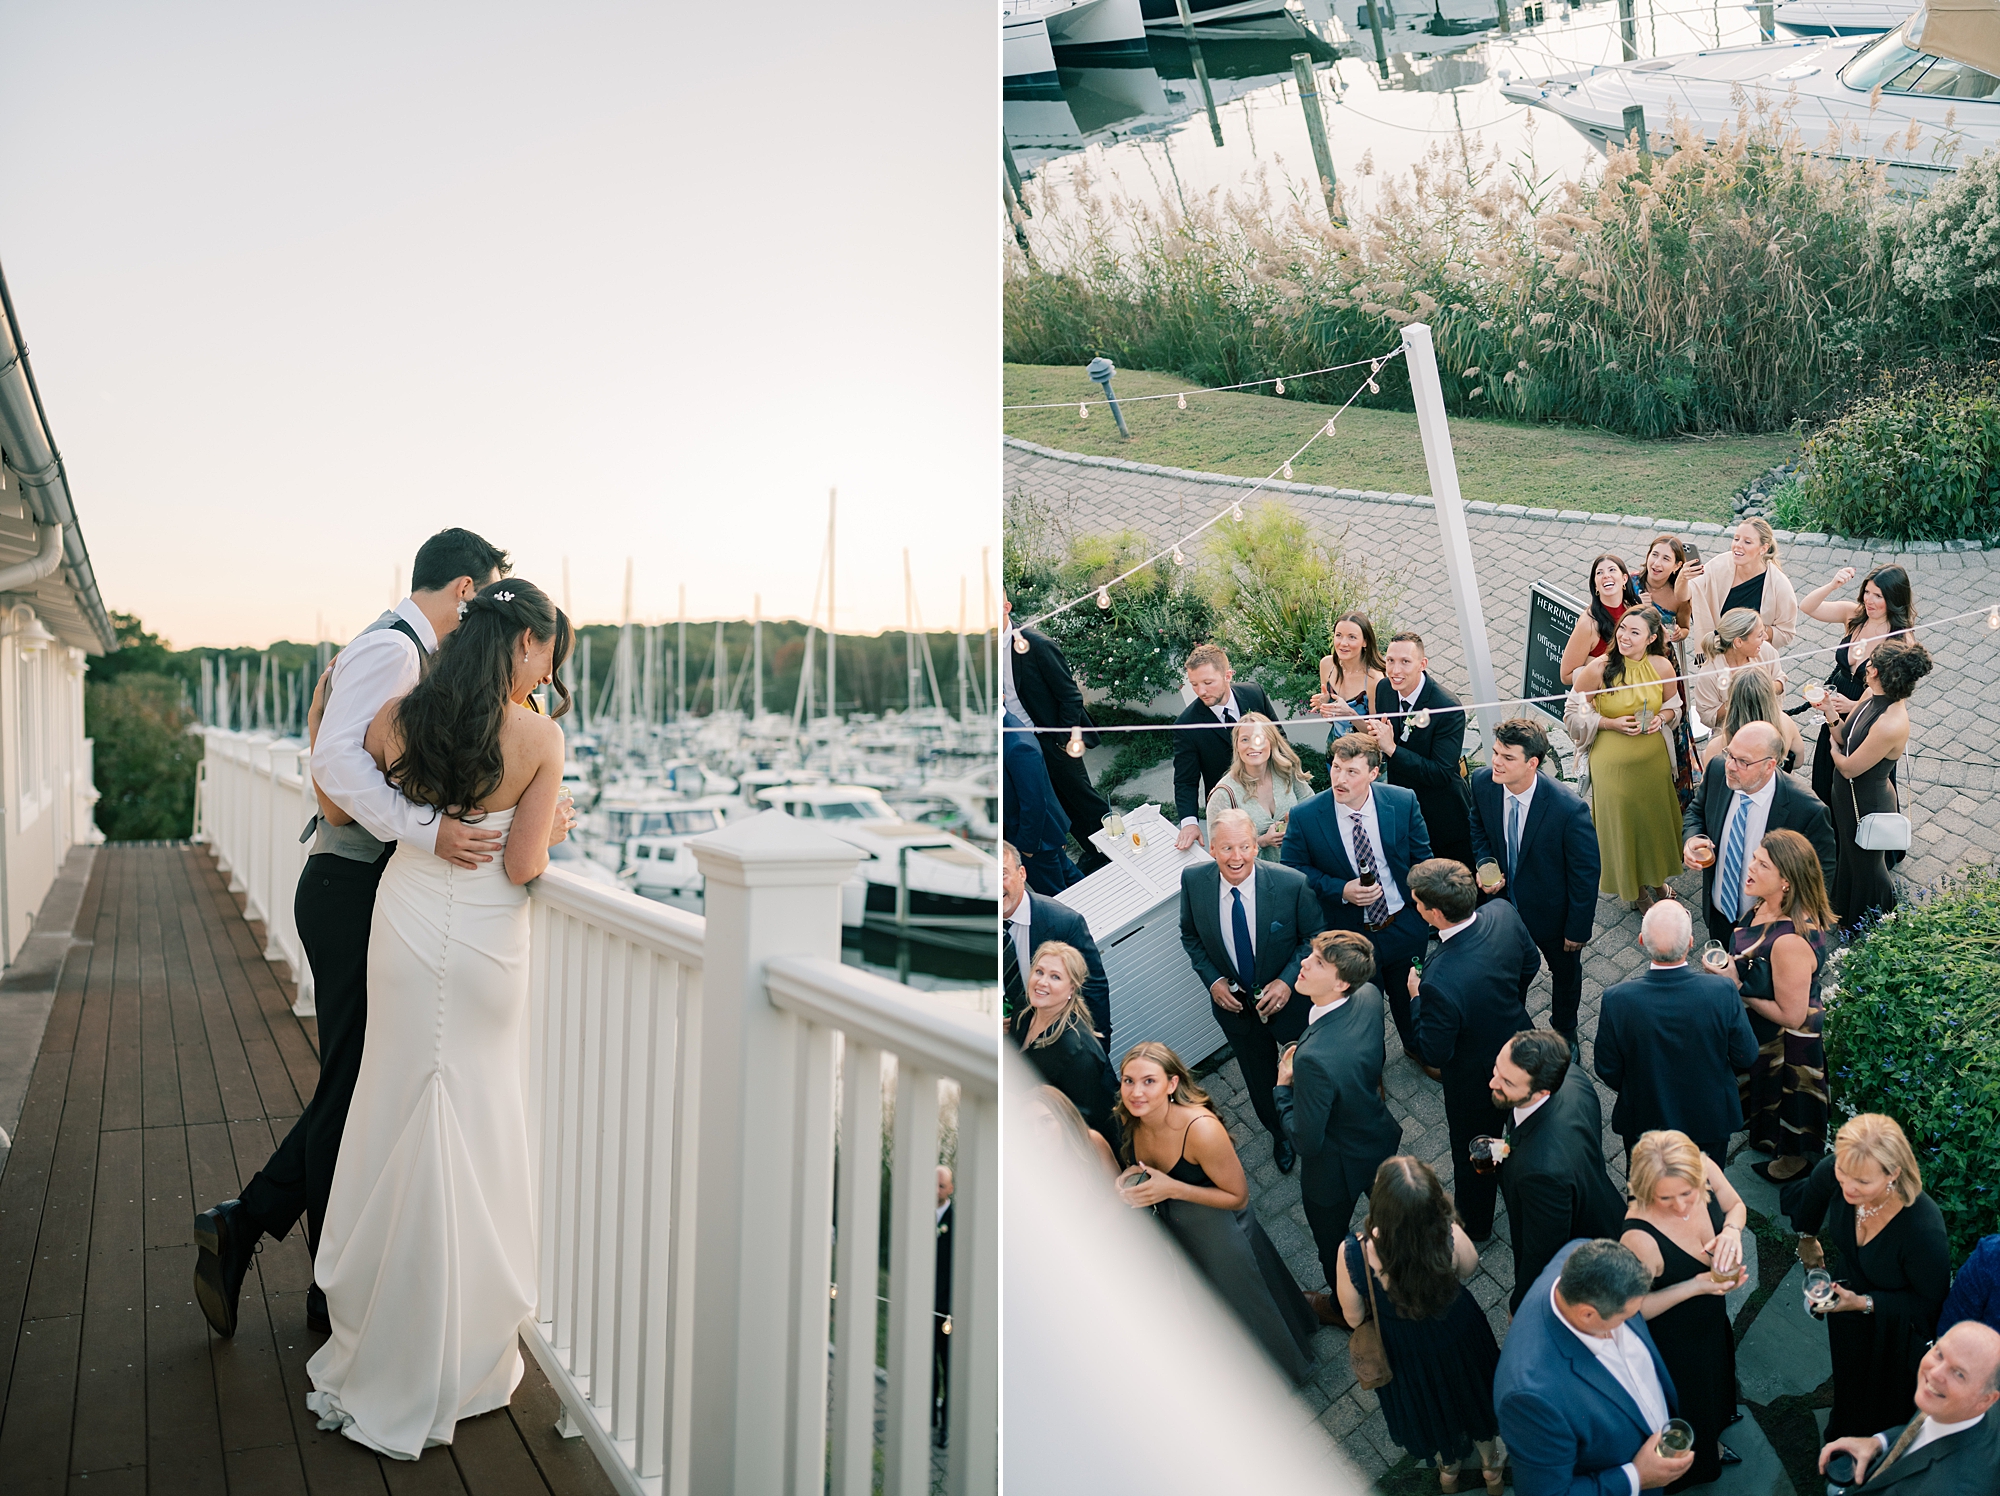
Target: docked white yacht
{"x": 943, "y": 875}
{"x": 1082, "y": 32}
{"x": 1839, "y": 17}
{"x": 1851, "y": 98}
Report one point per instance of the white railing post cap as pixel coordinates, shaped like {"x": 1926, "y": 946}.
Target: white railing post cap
{"x": 773, "y": 850}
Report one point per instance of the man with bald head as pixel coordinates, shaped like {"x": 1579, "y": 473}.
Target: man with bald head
{"x": 1953, "y": 1444}
{"x": 1741, "y": 796}
{"x": 1672, "y": 1040}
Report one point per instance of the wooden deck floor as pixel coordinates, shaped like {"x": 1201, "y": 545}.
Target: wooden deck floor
{"x": 170, "y": 1066}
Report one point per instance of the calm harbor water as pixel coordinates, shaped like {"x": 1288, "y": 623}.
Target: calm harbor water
{"x": 1143, "y": 132}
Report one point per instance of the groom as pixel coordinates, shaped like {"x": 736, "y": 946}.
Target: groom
{"x": 335, "y": 904}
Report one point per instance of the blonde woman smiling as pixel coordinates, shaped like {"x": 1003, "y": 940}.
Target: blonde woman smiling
{"x": 1748, "y": 577}
{"x": 1265, "y": 780}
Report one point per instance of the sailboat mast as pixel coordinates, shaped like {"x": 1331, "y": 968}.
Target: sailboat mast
{"x": 909, "y": 636}
{"x": 831, "y": 495}
{"x": 715, "y": 701}
{"x": 757, "y": 657}
{"x": 961, "y": 647}
{"x": 681, "y": 665}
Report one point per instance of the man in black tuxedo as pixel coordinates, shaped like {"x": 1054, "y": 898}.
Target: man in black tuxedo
{"x": 1202, "y": 750}
{"x": 940, "y": 1341}
{"x": 1553, "y": 1177}
{"x": 1026, "y": 920}
{"x": 1038, "y": 686}
{"x": 1330, "y": 1094}
{"x": 1741, "y": 796}
{"x": 1421, "y": 745}
{"x": 1246, "y": 925}
{"x": 1672, "y": 1041}
{"x": 1356, "y": 843}
{"x": 1953, "y": 1444}
{"x": 1540, "y": 833}
{"x": 1469, "y": 1003}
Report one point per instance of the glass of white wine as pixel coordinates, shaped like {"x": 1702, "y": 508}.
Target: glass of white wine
{"x": 1819, "y": 1290}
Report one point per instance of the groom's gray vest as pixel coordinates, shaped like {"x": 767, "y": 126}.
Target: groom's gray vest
{"x": 354, "y": 840}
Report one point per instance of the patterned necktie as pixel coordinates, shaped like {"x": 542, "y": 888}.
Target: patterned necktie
{"x": 1729, "y": 891}
{"x": 1910, "y": 1431}
{"x": 1239, "y": 931}
{"x": 1513, "y": 833}
{"x": 1014, "y": 989}
{"x": 1374, "y": 915}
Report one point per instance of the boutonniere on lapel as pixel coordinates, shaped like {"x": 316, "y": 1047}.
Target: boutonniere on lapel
{"x": 1415, "y": 722}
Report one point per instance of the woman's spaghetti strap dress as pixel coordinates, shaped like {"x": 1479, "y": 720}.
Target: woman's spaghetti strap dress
{"x": 1696, "y": 1341}
{"x": 1230, "y": 1249}
{"x": 1632, "y": 795}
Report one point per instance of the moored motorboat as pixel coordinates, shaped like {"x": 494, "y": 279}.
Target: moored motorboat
{"x": 1839, "y": 17}
{"x": 1922, "y": 99}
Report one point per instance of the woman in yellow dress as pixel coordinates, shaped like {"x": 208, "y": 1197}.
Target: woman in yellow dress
{"x": 1632, "y": 690}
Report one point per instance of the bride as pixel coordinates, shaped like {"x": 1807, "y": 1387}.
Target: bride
{"x": 427, "y": 1257}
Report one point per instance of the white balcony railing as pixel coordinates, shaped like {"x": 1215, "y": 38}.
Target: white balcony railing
{"x": 691, "y": 1084}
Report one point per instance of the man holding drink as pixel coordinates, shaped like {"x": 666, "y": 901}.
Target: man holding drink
{"x": 1742, "y": 795}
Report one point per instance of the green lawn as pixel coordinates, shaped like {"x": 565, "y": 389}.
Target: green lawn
{"x": 1505, "y": 462}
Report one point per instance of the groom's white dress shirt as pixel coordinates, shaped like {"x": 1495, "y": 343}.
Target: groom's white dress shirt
{"x": 375, "y": 668}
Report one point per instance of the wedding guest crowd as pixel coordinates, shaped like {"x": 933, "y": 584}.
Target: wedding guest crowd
{"x": 1416, "y": 884}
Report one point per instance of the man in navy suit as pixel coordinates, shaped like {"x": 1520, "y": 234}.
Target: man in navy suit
{"x": 1033, "y": 818}
{"x": 1468, "y": 1007}
{"x": 1421, "y": 733}
{"x": 1581, "y": 1392}
{"x": 1356, "y": 843}
{"x": 1028, "y": 919}
{"x": 1246, "y": 925}
{"x": 1037, "y": 685}
{"x": 1540, "y": 833}
{"x": 1204, "y": 743}
{"x": 1672, "y": 1041}
{"x": 1743, "y": 794}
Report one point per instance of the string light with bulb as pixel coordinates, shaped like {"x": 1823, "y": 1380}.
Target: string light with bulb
{"x": 1234, "y": 510}
{"x": 1552, "y": 703}
{"x": 1373, "y": 365}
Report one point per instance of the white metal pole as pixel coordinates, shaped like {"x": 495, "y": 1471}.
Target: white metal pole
{"x": 1429, "y": 394}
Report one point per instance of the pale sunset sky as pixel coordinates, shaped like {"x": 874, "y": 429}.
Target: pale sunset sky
{"x": 303, "y": 284}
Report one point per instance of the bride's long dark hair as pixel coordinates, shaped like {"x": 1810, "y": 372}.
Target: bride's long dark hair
{"x": 450, "y": 721}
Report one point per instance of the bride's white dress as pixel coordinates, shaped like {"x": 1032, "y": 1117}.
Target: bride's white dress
{"x": 427, "y": 1257}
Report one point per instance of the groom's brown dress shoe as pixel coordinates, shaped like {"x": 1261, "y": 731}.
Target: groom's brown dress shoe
{"x": 227, "y": 1240}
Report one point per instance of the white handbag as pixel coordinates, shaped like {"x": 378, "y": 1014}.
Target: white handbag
{"x": 1883, "y": 830}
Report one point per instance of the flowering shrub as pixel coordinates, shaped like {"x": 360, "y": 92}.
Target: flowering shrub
{"x": 1948, "y": 254}
{"x": 1913, "y": 1031}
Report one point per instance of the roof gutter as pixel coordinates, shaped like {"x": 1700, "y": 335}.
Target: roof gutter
{"x": 31, "y": 454}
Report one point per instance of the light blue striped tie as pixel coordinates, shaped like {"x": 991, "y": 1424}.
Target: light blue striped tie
{"x": 1728, "y": 893}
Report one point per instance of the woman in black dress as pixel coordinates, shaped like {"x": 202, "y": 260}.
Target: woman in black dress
{"x": 1685, "y": 1224}
{"x": 1184, "y": 1167}
{"x": 1438, "y": 1402}
{"x": 1887, "y": 607}
{"x": 1054, "y": 1032}
{"x": 1864, "y": 750}
{"x": 1777, "y": 952}
{"x": 1885, "y": 1244}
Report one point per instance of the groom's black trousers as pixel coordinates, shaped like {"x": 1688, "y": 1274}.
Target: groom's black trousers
{"x": 334, "y": 907}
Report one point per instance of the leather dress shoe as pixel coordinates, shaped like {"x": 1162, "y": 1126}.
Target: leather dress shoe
{"x": 1285, "y": 1154}
{"x": 316, "y": 1318}
{"x": 1730, "y": 1456}
{"x": 1575, "y": 1049}
{"x": 227, "y": 1240}
{"x": 1326, "y": 1309}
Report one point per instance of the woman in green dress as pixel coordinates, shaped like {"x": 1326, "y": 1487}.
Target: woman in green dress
{"x": 1265, "y": 778}
{"x": 1632, "y": 689}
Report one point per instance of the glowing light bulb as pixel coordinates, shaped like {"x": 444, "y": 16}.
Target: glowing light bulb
{"x": 1374, "y": 388}
{"x": 1236, "y": 512}
{"x": 1074, "y": 747}
{"x": 1182, "y": 401}
{"x": 1020, "y": 642}
{"x": 1257, "y": 740}
{"x": 1374, "y": 369}
{"x": 1082, "y": 410}
{"x": 1993, "y": 618}
{"x": 1104, "y": 597}
{"x": 1281, "y": 386}
{"x": 1180, "y": 559}
{"x": 1329, "y": 429}
{"x": 1288, "y": 472}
